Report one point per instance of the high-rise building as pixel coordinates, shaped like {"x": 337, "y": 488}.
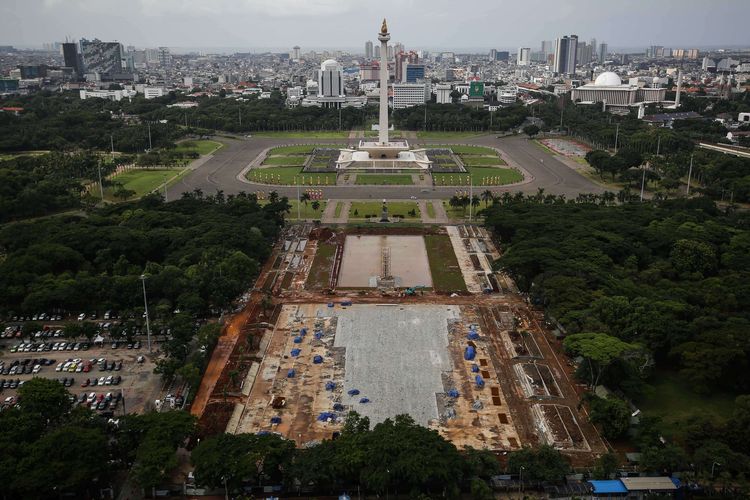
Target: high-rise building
{"x": 409, "y": 94}
{"x": 585, "y": 53}
{"x": 443, "y": 93}
{"x": 72, "y": 58}
{"x": 692, "y": 53}
{"x": 296, "y": 53}
{"x": 548, "y": 48}
{"x": 331, "y": 84}
{"x": 376, "y": 52}
{"x": 165, "y": 58}
{"x": 368, "y": 50}
{"x": 101, "y": 57}
{"x": 603, "y": 52}
{"x": 402, "y": 59}
{"x": 503, "y": 55}
{"x": 493, "y": 55}
{"x": 524, "y": 56}
{"x": 413, "y": 72}
{"x": 594, "y": 53}
{"x": 398, "y": 47}
{"x": 708, "y": 64}
{"x": 566, "y": 51}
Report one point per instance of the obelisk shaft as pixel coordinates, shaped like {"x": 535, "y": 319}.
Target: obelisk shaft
{"x": 383, "y": 36}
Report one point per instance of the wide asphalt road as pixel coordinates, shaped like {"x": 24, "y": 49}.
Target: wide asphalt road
{"x": 221, "y": 172}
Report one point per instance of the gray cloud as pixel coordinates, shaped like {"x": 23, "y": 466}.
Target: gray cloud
{"x": 348, "y": 23}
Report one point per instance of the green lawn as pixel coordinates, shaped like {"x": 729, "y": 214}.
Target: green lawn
{"x": 446, "y": 273}
{"x": 482, "y": 160}
{"x": 337, "y": 210}
{"x": 285, "y": 160}
{"x": 480, "y": 177}
{"x": 306, "y": 212}
{"x": 468, "y": 150}
{"x": 320, "y": 271}
{"x": 447, "y": 135}
{"x": 202, "y": 147}
{"x": 400, "y": 179}
{"x": 375, "y": 208}
{"x": 301, "y": 149}
{"x": 673, "y": 400}
{"x": 313, "y": 134}
{"x": 430, "y": 210}
{"x": 545, "y": 148}
{"x": 10, "y": 156}
{"x": 286, "y": 175}
{"x": 455, "y": 213}
{"x": 143, "y": 181}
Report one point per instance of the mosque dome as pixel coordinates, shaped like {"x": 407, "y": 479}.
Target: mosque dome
{"x": 608, "y": 79}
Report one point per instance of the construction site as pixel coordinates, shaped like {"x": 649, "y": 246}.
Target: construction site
{"x": 384, "y": 321}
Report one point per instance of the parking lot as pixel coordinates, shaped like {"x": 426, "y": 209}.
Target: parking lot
{"x": 91, "y": 371}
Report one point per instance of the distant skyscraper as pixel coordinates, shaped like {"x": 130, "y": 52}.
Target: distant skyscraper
{"x": 603, "y": 52}
{"x": 566, "y": 51}
{"x": 585, "y": 53}
{"x": 72, "y": 58}
{"x": 548, "y": 47}
{"x": 368, "y": 50}
{"x": 296, "y": 53}
{"x": 101, "y": 57}
{"x": 376, "y": 52}
{"x": 165, "y": 58}
{"x": 503, "y": 55}
{"x": 413, "y": 72}
{"x": 524, "y": 56}
{"x": 594, "y": 53}
{"x": 331, "y": 84}
{"x": 493, "y": 55}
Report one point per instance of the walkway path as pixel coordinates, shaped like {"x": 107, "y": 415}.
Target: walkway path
{"x": 329, "y": 214}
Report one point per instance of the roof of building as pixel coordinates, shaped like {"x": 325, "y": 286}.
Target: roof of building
{"x": 667, "y": 117}
{"x": 660, "y": 483}
{"x": 326, "y": 65}
{"x": 608, "y": 79}
{"x": 607, "y": 487}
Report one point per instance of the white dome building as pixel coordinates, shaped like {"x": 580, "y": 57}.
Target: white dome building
{"x": 609, "y": 90}
{"x": 608, "y": 79}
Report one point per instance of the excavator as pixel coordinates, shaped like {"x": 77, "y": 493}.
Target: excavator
{"x": 413, "y": 290}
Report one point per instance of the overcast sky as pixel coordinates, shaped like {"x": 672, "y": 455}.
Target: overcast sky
{"x": 346, "y": 24}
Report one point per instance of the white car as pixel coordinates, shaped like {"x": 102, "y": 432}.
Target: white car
{"x": 102, "y": 381}
{"x": 36, "y": 369}
{"x": 81, "y": 316}
{"x": 91, "y": 397}
{"x": 59, "y": 367}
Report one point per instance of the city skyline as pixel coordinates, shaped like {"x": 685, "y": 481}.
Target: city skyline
{"x": 259, "y": 25}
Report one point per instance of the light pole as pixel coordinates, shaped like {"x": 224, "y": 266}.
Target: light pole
{"x": 520, "y": 478}
{"x": 145, "y": 306}
{"x": 690, "y": 174}
{"x": 712, "y": 468}
{"x": 617, "y": 136}
{"x": 166, "y": 198}
{"x": 298, "y": 201}
{"x": 101, "y": 186}
{"x": 149, "y": 135}
{"x": 643, "y": 182}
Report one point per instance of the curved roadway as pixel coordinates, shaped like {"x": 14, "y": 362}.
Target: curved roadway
{"x": 221, "y": 172}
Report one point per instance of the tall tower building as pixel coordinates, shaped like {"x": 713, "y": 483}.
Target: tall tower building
{"x": 331, "y": 84}
{"x": 566, "y": 51}
{"x": 72, "y": 58}
{"x": 368, "y": 50}
{"x": 384, "y": 37}
{"x": 101, "y": 57}
{"x": 603, "y": 52}
{"x": 296, "y": 53}
{"x": 548, "y": 47}
{"x": 376, "y": 52}
{"x": 524, "y": 56}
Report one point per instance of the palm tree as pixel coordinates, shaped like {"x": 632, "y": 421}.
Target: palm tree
{"x": 305, "y": 198}
{"x": 315, "y": 205}
{"x": 487, "y": 196}
{"x": 273, "y": 197}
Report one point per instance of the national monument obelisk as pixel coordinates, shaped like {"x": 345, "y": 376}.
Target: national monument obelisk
{"x": 383, "y": 36}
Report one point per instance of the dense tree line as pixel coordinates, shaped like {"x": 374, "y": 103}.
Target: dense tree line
{"x": 199, "y": 253}
{"x": 638, "y": 284}
{"x": 61, "y": 122}
{"x": 51, "y": 449}
{"x": 458, "y": 117}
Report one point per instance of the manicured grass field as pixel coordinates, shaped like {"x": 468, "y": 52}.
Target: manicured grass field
{"x": 384, "y": 179}
{"x": 446, "y": 273}
{"x": 337, "y": 210}
{"x": 430, "y": 210}
{"x": 455, "y": 213}
{"x": 473, "y": 160}
{"x": 202, "y": 147}
{"x": 320, "y": 272}
{"x": 673, "y": 400}
{"x": 284, "y": 160}
{"x": 312, "y": 134}
{"x": 374, "y": 208}
{"x": 286, "y": 175}
{"x": 143, "y": 181}
{"x": 428, "y": 134}
{"x": 467, "y": 150}
{"x": 479, "y": 177}
{"x": 306, "y": 212}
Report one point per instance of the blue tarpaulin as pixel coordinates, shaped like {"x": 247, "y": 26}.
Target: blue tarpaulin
{"x": 453, "y": 393}
{"x": 326, "y": 415}
{"x": 262, "y": 433}
{"x": 474, "y": 368}
{"x": 295, "y": 353}
{"x": 297, "y": 340}
{"x": 330, "y": 385}
{"x": 469, "y": 353}
{"x": 480, "y": 381}
{"x": 291, "y": 373}
{"x": 352, "y": 392}
{"x": 330, "y": 304}
{"x": 317, "y": 359}
{"x": 303, "y": 331}
{"x": 473, "y": 335}
{"x": 338, "y": 407}
{"x": 602, "y": 487}
{"x": 275, "y": 420}
{"x": 364, "y": 400}
{"x": 318, "y": 335}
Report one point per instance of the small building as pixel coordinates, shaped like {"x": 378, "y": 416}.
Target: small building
{"x": 636, "y": 488}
